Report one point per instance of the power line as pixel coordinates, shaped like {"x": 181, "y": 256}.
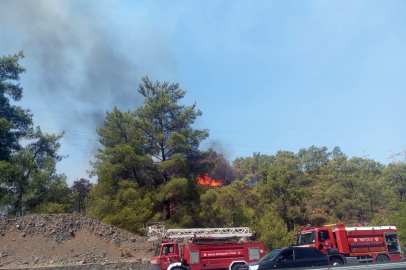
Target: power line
{"x": 307, "y": 136}
{"x": 265, "y": 134}
{"x": 238, "y": 126}
{"x": 299, "y": 129}
{"x": 78, "y": 131}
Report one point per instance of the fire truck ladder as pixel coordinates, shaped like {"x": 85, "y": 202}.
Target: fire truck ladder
{"x": 208, "y": 232}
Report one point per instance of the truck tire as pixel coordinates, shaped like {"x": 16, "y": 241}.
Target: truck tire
{"x": 336, "y": 261}
{"x": 178, "y": 268}
{"x": 236, "y": 266}
{"x": 381, "y": 258}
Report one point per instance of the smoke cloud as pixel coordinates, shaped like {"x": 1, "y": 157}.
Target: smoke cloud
{"x": 76, "y": 55}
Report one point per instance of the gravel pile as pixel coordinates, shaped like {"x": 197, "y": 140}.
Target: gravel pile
{"x": 67, "y": 239}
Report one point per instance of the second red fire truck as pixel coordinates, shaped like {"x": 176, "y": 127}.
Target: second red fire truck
{"x": 353, "y": 244}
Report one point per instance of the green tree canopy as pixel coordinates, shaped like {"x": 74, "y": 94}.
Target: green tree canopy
{"x": 166, "y": 125}
{"x": 15, "y": 122}
{"x": 395, "y": 175}
{"x": 351, "y": 189}
{"x": 255, "y": 167}
{"x": 150, "y": 146}
{"x": 28, "y": 179}
{"x": 286, "y": 189}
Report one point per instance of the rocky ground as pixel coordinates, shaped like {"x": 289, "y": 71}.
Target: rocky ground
{"x": 37, "y": 240}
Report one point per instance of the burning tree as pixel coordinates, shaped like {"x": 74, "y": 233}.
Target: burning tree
{"x": 80, "y": 189}
{"x": 204, "y": 179}
{"x": 211, "y": 168}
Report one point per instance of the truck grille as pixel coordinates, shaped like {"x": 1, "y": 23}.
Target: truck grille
{"x": 253, "y": 253}
{"x": 194, "y": 257}
{"x": 155, "y": 267}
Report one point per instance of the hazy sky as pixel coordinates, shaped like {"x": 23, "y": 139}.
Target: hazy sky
{"x": 268, "y": 75}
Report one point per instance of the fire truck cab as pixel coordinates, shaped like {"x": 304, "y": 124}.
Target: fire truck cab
{"x": 165, "y": 255}
{"x": 353, "y": 244}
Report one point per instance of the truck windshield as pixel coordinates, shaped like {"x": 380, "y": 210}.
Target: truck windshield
{"x": 307, "y": 238}
{"x": 157, "y": 251}
{"x": 270, "y": 256}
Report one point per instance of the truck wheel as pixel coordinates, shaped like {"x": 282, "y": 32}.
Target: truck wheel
{"x": 336, "y": 261}
{"x": 236, "y": 266}
{"x": 381, "y": 258}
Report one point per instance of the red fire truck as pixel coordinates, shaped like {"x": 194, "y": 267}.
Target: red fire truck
{"x": 353, "y": 244}
{"x": 214, "y": 248}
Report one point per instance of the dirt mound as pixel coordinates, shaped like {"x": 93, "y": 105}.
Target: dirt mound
{"x": 67, "y": 239}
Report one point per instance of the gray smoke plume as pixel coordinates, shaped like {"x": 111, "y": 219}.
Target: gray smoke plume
{"x": 76, "y": 56}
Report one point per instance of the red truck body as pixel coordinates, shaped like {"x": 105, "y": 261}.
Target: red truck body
{"x": 210, "y": 254}
{"x": 356, "y": 244}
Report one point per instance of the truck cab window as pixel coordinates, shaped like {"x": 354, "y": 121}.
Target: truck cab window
{"x": 307, "y": 238}
{"x": 323, "y": 236}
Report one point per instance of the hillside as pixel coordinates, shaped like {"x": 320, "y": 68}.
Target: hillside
{"x": 67, "y": 239}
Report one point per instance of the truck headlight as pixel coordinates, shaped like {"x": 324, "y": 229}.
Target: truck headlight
{"x": 253, "y": 267}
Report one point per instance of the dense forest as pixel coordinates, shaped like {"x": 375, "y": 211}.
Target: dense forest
{"x": 149, "y": 168}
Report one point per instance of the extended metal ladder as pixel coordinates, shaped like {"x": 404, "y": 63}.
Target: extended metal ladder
{"x": 155, "y": 232}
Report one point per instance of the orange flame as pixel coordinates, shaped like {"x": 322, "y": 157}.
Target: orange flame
{"x": 205, "y": 180}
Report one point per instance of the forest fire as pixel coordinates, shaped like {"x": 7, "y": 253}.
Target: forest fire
{"x": 206, "y": 180}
